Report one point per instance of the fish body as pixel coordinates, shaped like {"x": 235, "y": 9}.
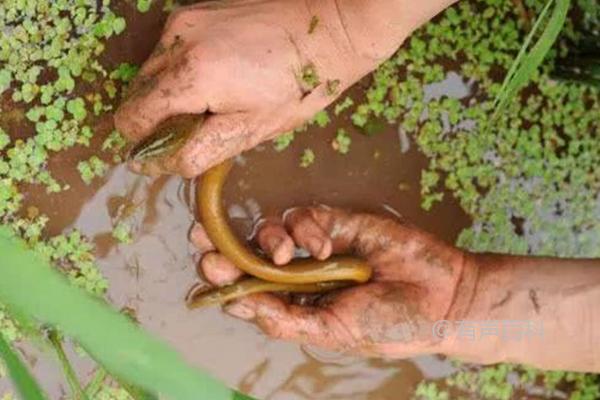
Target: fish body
{"x": 168, "y": 137}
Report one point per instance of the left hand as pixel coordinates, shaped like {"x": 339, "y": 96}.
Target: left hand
{"x": 414, "y": 283}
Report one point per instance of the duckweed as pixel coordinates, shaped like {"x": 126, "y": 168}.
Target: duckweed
{"x": 309, "y": 77}
{"x": 49, "y": 67}
{"x": 536, "y": 164}
{"x": 307, "y": 158}
{"x": 341, "y": 142}
{"x": 122, "y": 233}
{"x": 529, "y": 181}
{"x": 89, "y": 169}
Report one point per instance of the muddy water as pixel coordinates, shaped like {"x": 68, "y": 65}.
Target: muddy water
{"x": 152, "y": 275}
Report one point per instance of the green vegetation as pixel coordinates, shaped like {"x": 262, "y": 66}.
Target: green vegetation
{"x": 94, "y": 167}
{"x": 342, "y": 141}
{"x": 49, "y": 68}
{"x": 309, "y": 78}
{"x": 122, "y": 232}
{"x": 504, "y": 382}
{"x": 534, "y": 164}
{"x": 528, "y": 60}
{"x": 143, "y": 5}
{"x": 111, "y": 338}
{"x": 342, "y": 106}
{"x": 283, "y": 141}
{"x": 24, "y": 382}
{"x": 321, "y": 119}
{"x": 528, "y": 180}
{"x": 307, "y": 158}
{"x": 528, "y": 176}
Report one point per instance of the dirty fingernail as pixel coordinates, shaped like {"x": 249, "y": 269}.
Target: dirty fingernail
{"x": 240, "y": 310}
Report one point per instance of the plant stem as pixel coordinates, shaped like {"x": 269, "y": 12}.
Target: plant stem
{"x": 94, "y": 385}
{"x": 76, "y": 389}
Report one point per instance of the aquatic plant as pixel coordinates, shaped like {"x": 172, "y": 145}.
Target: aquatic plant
{"x": 112, "y": 339}
{"x": 307, "y": 158}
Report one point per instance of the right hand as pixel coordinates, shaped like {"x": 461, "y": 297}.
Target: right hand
{"x": 241, "y": 62}
{"x": 414, "y": 283}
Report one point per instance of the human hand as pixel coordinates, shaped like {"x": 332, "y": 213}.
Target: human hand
{"x": 414, "y": 283}
{"x": 256, "y": 68}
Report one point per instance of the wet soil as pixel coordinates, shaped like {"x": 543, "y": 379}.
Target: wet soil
{"x": 152, "y": 275}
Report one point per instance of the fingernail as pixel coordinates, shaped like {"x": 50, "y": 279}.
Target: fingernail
{"x": 274, "y": 244}
{"x": 315, "y": 246}
{"x": 240, "y": 310}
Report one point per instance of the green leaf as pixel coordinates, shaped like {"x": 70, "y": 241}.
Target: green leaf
{"x": 76, "y": 390}
{"x": 125, "y": 72}
{"x": 307, "y": 158}
{"x": 143, "y": 5}
{"x": 526, "y": 63}
{"x": 111, "y": 338}
{"x": 283, "y": 141}
{"x": 76, "y": 107}
{"x": 241, "y": 396}
{"x": 122, "y": 233}
{"x": 22, "y": 379}
{"x": 119, "y": 25}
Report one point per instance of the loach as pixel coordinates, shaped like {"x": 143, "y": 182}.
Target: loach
{"x": 168, "y": 137}
{"x": 305, "y": 276}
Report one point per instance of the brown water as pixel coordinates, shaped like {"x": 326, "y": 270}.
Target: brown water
{"x": 152, "y": 275}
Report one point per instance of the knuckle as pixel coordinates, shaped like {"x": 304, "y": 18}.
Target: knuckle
{"x": 176, "y": 18}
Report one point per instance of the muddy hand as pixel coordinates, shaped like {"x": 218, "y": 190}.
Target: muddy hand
{"x": 414, "y": 283}
{"x": 252, "y": 66}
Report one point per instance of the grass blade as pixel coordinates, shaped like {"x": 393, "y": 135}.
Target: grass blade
{"x": 527, "y": 62}
{"x": 25, "y": 384}
{"x": 111, "y": 338}
{"x": 76, "y": 390}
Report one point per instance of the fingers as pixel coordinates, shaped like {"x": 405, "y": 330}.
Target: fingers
{"x": 275, "y": 241}
{"x": 218, "y": 270}
{"x": 323, "y": 231}
{"x": 307, "y": 233}
{"x": 199, "y": 238}
{"x": 308, "y": 325}
{"x": 338, "y": 231}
